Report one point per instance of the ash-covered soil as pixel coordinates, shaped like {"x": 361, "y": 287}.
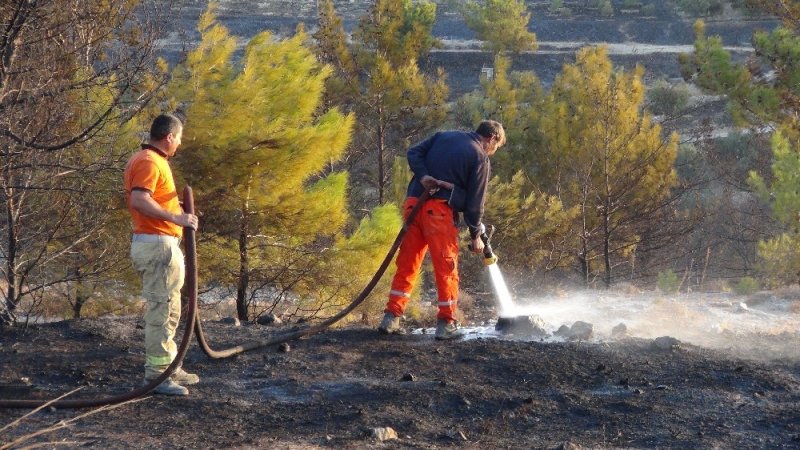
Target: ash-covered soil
{"x": 331, "y": 390}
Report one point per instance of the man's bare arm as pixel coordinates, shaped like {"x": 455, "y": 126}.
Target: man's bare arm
{"x": 143, "y": 202}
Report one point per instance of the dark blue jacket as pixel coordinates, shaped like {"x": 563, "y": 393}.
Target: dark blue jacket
{"x": 456, "y": 157}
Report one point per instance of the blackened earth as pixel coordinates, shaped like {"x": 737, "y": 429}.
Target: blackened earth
{"x": 331, "y": 390}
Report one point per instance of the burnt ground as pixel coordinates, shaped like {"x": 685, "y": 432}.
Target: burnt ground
{"x": 330, "y": 390}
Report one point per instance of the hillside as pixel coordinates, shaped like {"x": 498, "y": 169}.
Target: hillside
{"x": 653, "y": 41}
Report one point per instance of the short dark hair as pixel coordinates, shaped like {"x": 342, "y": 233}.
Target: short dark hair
{"x": 489, "y": 128}
{"x": 163, "y": 125}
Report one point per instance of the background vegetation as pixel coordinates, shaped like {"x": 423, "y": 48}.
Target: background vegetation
{"x": 294, "y": 148}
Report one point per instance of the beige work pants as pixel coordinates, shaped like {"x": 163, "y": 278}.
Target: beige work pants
{"x": 161, "y": 267}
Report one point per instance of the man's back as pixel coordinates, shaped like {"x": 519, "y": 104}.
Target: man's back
{"x": 452, "y": 156}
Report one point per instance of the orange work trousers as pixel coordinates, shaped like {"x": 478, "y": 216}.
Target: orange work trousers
{"x": 433, "y": 228}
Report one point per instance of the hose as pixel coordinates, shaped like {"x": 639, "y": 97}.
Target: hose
{"x": 290, "y": 336}
{"x": 193, "y": 317}
{"x": 191, "y": 272}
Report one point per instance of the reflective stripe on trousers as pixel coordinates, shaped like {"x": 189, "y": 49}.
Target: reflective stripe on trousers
{"x": 161, "y": 266}
{"x": 433, "y": 229}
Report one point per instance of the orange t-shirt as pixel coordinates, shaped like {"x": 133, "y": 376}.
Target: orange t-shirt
{"x": 148, "y": 170}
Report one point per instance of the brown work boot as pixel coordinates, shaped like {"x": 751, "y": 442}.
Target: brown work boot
{"x": 447, "y": 330}
{"x": 390, "y": 324}
{"x": 184, "y": 378}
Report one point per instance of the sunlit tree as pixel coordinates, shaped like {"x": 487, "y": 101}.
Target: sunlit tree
{"x": 257, "y": 146}
{"x": 764, "y": 93}
{"x": 607, "y": 158}
{"x": 377, "y": 77}
{"x": 71, "y": 81}
{"x": 501, "y": 24}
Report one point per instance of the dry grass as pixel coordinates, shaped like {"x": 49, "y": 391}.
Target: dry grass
{"x": 19, "y": 441}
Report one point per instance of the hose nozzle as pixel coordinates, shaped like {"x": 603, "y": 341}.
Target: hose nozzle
{"x": 489, "y": 257}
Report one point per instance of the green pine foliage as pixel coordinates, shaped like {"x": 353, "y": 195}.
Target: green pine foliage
{"x": 532, "y": 225}
{"x": 780, "y": 255}
{"x": 515, "y": 100}
{"x": 668, "y": 282}
{"x": 603, "y": 155}
{"x": 256, "y": 148}
{"x": 501, "y": 24}
{"x": 377, "y": 77}
{"x": 361, "y": 252}
{"x": 765, "y": 90}
{"x": 530, "y": 221}
{"x": 585, "y": 174}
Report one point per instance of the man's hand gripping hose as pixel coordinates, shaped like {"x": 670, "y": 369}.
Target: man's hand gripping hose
{"x": 489, "y": 257}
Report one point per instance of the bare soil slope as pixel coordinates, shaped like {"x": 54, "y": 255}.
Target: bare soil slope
{"x": 331, "y": 390}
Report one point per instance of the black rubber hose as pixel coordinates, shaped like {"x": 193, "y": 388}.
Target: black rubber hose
{"x": 285, "y": 337}
{"x": 191, "y": 279}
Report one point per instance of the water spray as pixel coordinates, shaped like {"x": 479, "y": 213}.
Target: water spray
{"x": 507, "y": 321}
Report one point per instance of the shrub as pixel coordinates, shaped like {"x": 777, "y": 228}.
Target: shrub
{"x": 666, "y": 99}
{"x": 606, "y": 8}
{"x": 668, "y": 282}
{"x": 746, "y": 286}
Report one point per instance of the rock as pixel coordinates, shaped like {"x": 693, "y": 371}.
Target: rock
{"x": 383, "y": 433}
{"x": 602, "y": 368}
{"x": 408, "y": 377}
{"x": 666, "y": 343}
{"x": 580, "y": 331}
{"x": 521, "y": 325}
{"x": 231, "y": 321}
{"x": 562, "y": 331}
{"x": 269, "y": 319}
{"x": 569, "y": 446}
{"x": 742, "y": 307}
{"x": 284, "y": 347}
{"x": 619, "y": 331}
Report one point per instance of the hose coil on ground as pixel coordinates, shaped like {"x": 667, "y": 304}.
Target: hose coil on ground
{"x": 192, "y": 317}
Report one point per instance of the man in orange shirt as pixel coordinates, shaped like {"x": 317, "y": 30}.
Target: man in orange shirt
{"x": 158, "y": 222}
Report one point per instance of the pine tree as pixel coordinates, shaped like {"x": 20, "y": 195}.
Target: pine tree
{"x": 501, "y": 24}
{"x": 764, "y": 90}
{"x": 780, "y": 255}
{"x": 257, "y": 148}
{"x": 378, "y": 78}
{"x": 515, "y": 99}
{"x": 606, "y": 158}
{"x": 528, "y": 219}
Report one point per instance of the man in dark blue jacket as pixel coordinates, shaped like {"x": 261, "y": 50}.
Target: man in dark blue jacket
{"x": 454, "y": 166}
